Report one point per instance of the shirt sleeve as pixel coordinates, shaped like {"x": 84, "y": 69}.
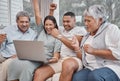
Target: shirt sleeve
{"x": 112, "y": 40}
{"x": 80, "y": 31}
{"x": 38, "y": 29}
{"x": 57, "y": 46}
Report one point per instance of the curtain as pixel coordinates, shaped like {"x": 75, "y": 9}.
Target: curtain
{"x": 44, "y": 7}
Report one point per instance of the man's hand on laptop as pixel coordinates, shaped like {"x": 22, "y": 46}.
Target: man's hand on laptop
{"x": 14, "y": 56}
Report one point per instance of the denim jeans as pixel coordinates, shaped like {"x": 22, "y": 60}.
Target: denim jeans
{"x": 102, "y": 74}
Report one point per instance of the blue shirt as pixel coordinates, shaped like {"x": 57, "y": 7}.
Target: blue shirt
{"x": 13, "y": 33}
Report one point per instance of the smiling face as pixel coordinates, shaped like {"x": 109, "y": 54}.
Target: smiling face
{"x": 23, "y": 23}
{"x": 92, "y": 25}
{"x": 68, "y": 22}
{"x": 49, "y": 25}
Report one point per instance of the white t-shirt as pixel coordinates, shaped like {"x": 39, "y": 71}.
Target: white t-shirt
{"x": 89, "y": 58}
{"x": 65, "y": 51}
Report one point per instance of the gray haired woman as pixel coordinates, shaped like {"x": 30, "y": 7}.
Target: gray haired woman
{"x": 100, "y": 48}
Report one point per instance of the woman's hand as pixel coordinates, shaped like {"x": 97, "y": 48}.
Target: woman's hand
{"x": 53, "y": 6}
{"x": 53, "y": 60}
{"x": 89, "y": 49}
{"x": 14, "y": 56}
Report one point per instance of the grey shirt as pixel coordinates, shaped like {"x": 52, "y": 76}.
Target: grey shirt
{"x": 51, "y": 44}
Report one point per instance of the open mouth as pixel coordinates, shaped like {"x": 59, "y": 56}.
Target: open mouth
{"x": 48, "y": 30}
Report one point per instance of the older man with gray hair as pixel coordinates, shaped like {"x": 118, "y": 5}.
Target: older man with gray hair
{"x": 100, "y": 48}
{"x": 20, "y": 31}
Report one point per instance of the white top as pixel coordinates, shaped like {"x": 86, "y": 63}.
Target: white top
{"x": 90, "y": 59}
{"x": 107, "y": 37}
{"x": 65, "y": 51}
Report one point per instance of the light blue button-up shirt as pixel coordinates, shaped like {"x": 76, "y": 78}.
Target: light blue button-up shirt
{"x": 13, "y": 33}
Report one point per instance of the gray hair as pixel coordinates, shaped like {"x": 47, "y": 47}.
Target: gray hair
{"x": 22, "y": 14}
{"x": 96, "y": 11}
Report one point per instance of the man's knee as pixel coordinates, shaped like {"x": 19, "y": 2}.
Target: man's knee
{"x": 36, "y": 72}
{"x": 69, "y": 65}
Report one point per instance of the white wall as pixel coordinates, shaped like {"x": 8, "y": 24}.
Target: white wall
{"x": 56, "y": 14}
{"x": 4, "y": 12}
{"x": 16, "y": 6}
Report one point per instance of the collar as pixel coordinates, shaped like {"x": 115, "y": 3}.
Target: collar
{"x": 100, "y": 30}
{"x": 103, "y": 26}
{"x": 17, "y": 29}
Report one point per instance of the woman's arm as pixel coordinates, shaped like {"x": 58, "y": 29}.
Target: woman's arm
{"x": 55, "y": 57}
{"x": 53, "y": 6}
{"x": 38, "y": 17}
{"x": 103, "y": 53}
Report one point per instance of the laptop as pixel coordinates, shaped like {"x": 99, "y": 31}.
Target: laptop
{"x": 30, "y": 50}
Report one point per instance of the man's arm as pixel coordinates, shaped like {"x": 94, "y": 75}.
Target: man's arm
{"x": 55, "y": 33}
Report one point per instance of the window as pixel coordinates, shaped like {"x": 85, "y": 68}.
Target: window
{"x": 27, "y": 6}
{"x": 8, "y": 10}
{"x": 78, "y": 6}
